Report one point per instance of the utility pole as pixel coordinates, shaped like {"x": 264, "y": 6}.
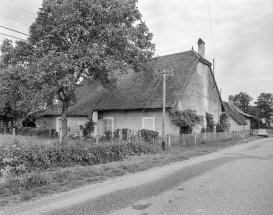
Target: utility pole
{"x": 164, "y": 110}
{"x": 213, "y": 65}
{"x": 164, "y": 73}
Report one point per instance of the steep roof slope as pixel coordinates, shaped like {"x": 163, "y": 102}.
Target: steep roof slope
{"x": 240, "y": 111}
{"x": 135, "y": 90}
{"x": 234, "y": 114}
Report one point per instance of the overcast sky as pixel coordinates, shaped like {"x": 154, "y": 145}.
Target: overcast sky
{"x": 238, "y": 35}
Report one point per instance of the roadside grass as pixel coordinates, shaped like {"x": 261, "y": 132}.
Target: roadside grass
{"x": 6, "y": 139}
{"x": 43, "y": 183}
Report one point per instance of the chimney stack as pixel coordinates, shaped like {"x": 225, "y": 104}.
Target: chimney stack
{"x": 230, "y": 99}
{"x": 201, "y": 47}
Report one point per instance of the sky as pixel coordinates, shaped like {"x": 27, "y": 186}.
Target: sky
{"x": 238, "y": 35}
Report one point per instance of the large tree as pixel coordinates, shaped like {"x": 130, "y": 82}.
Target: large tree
{"x": 265, "y": 104}
{"x": 243, "y": 100}
{"x": 92, "y": 39}
{"x": 14, "y": 83}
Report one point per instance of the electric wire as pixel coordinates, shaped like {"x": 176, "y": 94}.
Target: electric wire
{"x": 211, "y": 29}
{"x": 22, "y": 8}
{"x": 13, "y": 30}
{"x": 14, "y": 20}
{"x": 152, "y": 94}
{"x": 21, "y": 18}
{"x": 11, "y": 36}
{"x": 34, "y": 6}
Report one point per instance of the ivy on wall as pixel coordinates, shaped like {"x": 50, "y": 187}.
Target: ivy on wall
{"x": 210, "y": 122}
{"x": 223, "y": 125}
{"x": 186, "y": 120}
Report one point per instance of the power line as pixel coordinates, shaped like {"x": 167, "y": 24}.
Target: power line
{"x": 22, "y": 8}
{"x": 12, "y": 36}
{"x": 28, "y": 4}
{"x": 20, "y": 17}
{"x": 13, "y": 30}
{"x": 152, "y": 94}
{"x": 15, "y": 20}
{"x": 211, "y": 29}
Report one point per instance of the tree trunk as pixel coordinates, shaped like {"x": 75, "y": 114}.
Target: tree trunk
{"x": 63, "y": 134}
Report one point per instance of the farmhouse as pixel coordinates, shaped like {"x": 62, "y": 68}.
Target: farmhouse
{"x": 238, "y": 120}
{"x": 136, "y": 102}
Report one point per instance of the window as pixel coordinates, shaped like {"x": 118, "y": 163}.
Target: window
{"x": 100, "y": 115}
{"x": 148, "y": 123}
{"x": 108, "y": 124}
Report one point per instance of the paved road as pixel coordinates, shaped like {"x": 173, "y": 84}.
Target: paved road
{"x": 238, "y": 180}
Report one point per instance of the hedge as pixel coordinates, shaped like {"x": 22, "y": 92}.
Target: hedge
{"x": 27, "y": 158}
{"x": 40, "y": 132}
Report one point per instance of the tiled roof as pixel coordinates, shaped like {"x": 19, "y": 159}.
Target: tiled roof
{"x": 241, "y": 112}
{"x": 136, "y": 91}
{"x": 234, "y": 114}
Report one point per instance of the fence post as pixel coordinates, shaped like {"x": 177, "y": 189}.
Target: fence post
{"x": 194, "y": 138}
{"x": 13, "y": 135}
{"x": 128, "y": 135}
{"x": 97, "y": 139}
{"x": 169, "y": 140}
{"x": 120, "y": 135}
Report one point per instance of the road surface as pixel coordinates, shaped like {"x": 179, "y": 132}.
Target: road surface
{"x": 237, "y": 180}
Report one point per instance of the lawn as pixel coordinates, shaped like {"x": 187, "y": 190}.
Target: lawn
{"x": 60, "y": 179}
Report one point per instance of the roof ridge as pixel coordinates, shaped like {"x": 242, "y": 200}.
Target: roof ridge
{"x": 178, "y": 53}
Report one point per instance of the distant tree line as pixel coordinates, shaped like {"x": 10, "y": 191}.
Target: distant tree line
{"x": 261, "y": 109}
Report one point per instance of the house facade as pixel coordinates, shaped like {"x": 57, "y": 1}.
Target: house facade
{"x": 136, "y": 102}
{"x": 238, "y": 120}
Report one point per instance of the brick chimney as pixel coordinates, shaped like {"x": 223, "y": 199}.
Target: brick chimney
{"x": 201, "y": 47}
{"x": 230, "y": 100}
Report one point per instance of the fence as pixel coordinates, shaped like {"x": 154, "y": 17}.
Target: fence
{"x": 198, "y": 138}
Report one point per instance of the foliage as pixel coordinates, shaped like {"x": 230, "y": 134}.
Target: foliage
{"x": 124, "y": 133}
{"x": 71, "y": 40}
{"x": 108, "y": 135}
{"x": 148, "y": 135}
{"x": 265, "y": 104}
{"x": 39, "y": 132}
{"x": 88, "y": 128}
{"x": 15, "y": 80}
{"x": 17, "y": 159}
{"x": 186, "y": 120}
{"x": 243, "y": 100}
{"x": 223, "y": 125}
{"x": 210, "y": 122}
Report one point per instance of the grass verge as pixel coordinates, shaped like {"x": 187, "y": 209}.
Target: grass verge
{"x": 42, "y": 183}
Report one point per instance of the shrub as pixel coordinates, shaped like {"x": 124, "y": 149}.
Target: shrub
{"x": 148, "y": 135}
{"x": 88, "y": 128}
{"x": 124, "y": 133}
{"x": 40, "y": 157}
{"x": 40, "y": 132}
{"x": 223, "y": 125}
{"x": 186, "y": 120}
{"x": 210, "y": 122}
{"x": 108, "y": 135}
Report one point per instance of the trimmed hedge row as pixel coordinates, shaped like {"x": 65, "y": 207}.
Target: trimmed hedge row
{"x": 149, "y": 135}
{"x": 22, "y": 158}
{"x": 39, "y": 132}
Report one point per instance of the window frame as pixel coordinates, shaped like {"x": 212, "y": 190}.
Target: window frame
{"x": 150, "y": 117}
{"x": 107, "y": 118}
